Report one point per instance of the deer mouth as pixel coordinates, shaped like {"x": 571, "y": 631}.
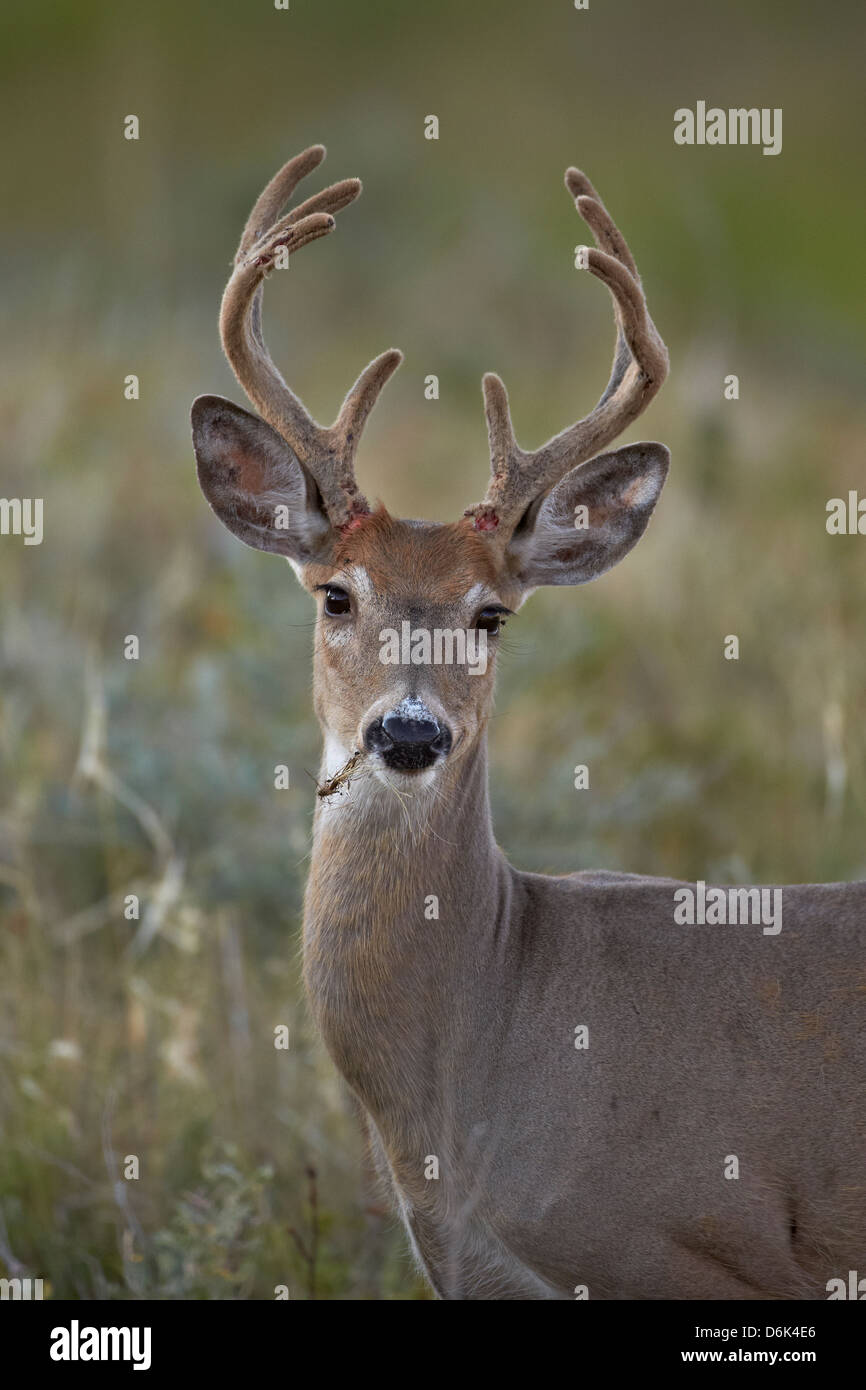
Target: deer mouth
{"x": 410, "y": 757}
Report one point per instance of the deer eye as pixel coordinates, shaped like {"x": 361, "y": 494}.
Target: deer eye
{"x": 337, "y": 601}
{"x": 490, "y": 620}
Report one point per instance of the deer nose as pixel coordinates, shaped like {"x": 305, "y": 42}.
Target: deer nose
{"x": 419, "y": 728}
{"x": 409, "y": 737}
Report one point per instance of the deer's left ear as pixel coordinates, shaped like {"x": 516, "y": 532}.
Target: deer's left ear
{"x": 591, "y": 519}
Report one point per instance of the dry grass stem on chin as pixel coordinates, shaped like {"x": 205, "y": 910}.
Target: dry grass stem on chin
{"x": 347, "y": 771}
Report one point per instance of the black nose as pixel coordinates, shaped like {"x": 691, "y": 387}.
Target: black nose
{"x": 408, "y": 739}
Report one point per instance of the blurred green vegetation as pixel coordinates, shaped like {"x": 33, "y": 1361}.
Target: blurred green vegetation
{"x": 156, "y": 1037}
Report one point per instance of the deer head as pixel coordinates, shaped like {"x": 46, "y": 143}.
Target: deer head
{"x": 561, "y": 514}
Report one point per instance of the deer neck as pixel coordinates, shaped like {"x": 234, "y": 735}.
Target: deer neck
{"x": 400, "y": 893}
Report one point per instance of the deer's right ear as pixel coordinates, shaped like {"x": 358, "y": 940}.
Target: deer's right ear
{"x": 255, "y": 484}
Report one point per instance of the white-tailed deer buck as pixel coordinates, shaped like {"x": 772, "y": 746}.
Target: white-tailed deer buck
{"x": 570, "y": 1088}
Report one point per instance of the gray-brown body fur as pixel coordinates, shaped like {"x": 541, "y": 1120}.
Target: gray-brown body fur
{"x": 602, "y": 1167}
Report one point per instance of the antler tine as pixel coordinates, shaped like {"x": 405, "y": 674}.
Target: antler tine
{"x": 326, "y": 452}
{"x": 606, "y": 233}
{"x": 276, "y": 194}
{"x": 640, "y": 366}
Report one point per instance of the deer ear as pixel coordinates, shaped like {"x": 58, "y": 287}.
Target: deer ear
{"x": 255, "y": 483}
{"x": 591, "y": 519}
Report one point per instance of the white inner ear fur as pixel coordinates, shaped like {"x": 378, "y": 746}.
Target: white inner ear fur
{"x": 640, "y": 491}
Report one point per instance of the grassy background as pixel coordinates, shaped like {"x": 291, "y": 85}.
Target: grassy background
{"x": 155, "y": 1038}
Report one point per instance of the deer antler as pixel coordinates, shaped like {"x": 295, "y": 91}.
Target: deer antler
{"x": 327, "y": 453}
{"x": 640, "y": 366}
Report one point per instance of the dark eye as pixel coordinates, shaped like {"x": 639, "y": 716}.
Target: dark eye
{"x": 337, "y": 601}
{"x": 490, "y": 620}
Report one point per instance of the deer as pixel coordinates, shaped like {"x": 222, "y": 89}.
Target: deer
{"x": 570, "y": 1090}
